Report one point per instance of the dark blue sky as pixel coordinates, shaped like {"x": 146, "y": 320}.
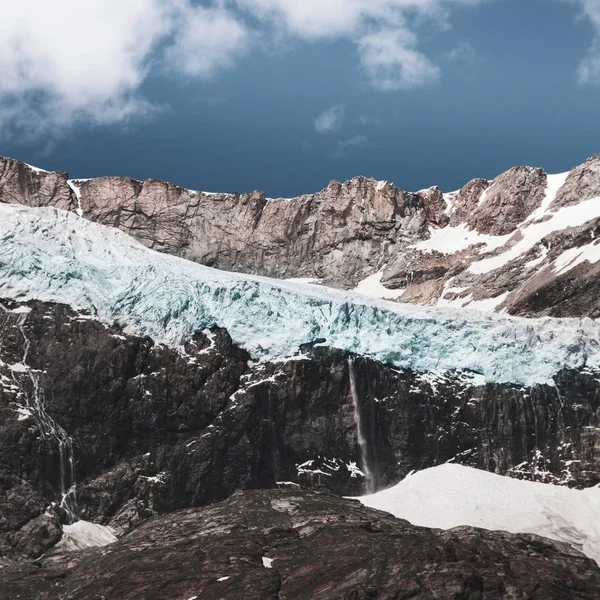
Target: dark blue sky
{"x": 507, "y": 93}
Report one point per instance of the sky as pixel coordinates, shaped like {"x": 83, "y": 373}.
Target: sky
{"x": 286, "y": 95}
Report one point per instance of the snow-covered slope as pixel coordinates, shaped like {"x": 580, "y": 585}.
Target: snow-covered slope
{"x": 56, "y": 256}
{"x": 451, "y": 495}
{"x": 83, "y": 534}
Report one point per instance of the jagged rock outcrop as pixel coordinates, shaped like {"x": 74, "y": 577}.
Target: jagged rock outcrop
{"x": 509, "y": 200}
{"x": 22, "y": 184}
{"x": 465, "y": 201}
{"x": 583, "y": 183}
{"x": 151, "y": 430}
{"x": 436, "y": 247}
{"x": 337, "y": 234}
{"x": 288, "y": 544}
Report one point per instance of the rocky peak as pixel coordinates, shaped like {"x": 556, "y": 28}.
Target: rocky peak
{"x": 22, "y": 184}
{"x": 508, "y": 201}
{"x": 467, "y": 200}
{"x": 435, "y": 245}
{"x": 432, "y": 200}
{"x": 583, "y": 183}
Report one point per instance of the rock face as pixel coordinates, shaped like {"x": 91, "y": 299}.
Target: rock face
{"x": 150, "y": 430}
{"x": 338, "y": 234}
{"x": 22, "y": 184}
{"x": 582, "y": 184}
{"x": 511, "y": 198}
{"x": 267, "y": 545}
{"x": 436, "y": 247}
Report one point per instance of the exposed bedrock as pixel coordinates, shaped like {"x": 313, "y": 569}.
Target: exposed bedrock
{"x": 270, "y": 544}
{"x": 154, "y": 430}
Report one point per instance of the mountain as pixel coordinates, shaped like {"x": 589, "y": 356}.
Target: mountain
{"x": 136, "y": 384}
{"x": 523, "y": 243}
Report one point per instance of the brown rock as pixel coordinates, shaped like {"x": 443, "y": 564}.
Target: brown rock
{"x": 511, "y": 198}
{"x": 583, "y": 183}
{"x": 21, "y": 184}
{"x": 466, "y": 201}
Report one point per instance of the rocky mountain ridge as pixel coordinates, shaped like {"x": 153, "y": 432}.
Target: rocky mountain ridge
{"x": 103, "y": 427}
{"x": 524, "y": 243}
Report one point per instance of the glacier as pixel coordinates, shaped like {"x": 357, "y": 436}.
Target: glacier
{"x": 55, "y": 256}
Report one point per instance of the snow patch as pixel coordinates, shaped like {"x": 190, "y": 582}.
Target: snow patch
{"x": 449, "y": 198}
{"x": 448, "y": 240}
{"x": 24, "y": 413}
{"x": 36, "y": 169}
{"x": 21, "y": 310}
{"x": 372, "y": 287}
{"x": 452, "y": 495}
{"x": 488, "y": 304}
{"x": 554, "y": 183}
{"x": 307, "y": 280}
{"x": 532, "y": 234}
{"x": 77, "y": 192}
{"x": 572, "y": 257}
{"x": 83, "y": 534}
{"x": 267, "y": 562}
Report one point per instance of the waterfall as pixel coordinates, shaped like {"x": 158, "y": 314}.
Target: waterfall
{"x": 360, "y": 431}
{"x": 49, "y": 429}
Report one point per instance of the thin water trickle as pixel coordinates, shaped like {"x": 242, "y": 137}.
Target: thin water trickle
{"x": 363, "y": 444}
{"x": 49, "y": 429}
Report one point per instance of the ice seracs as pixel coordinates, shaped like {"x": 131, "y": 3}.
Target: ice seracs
{"x": 55, "y": 256}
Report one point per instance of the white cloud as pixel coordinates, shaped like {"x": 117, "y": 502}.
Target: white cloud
{"x": 463, "y": 52}
{"x": 208, "y": 39}
{"x": 392, "y": 62}
{"x": 387, "y": 46}
{"x": 67, "y": 59}
{"x": 343, "y": 146}
{"x": 71, "y": 60}
{"x": 330, "y": 119}
{"x": 589, "y": 69}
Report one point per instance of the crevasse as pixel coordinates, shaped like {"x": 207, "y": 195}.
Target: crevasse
{"x": 55, "y": 256}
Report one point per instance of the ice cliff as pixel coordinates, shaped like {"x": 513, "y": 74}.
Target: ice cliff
{"x": 56, "y": 256}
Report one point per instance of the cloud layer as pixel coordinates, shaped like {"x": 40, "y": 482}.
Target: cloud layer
{"x": 68, "y": 61}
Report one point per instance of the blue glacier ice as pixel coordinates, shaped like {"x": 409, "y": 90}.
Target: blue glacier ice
{"x": 55, "y": 256}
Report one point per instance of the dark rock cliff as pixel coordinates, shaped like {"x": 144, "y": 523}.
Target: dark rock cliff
{"x": 151, "y": 430}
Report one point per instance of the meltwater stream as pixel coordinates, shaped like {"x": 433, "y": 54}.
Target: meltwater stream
{"x": 49, "y": 429}
{"x": 363, "y": 444}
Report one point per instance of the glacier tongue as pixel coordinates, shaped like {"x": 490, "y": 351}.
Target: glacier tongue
{"x": 55, "y": 256}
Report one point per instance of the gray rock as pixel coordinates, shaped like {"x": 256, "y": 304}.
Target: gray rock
{"x": 269, "y": 544}
{"x": 21, "y": 184}
{"x": 583, "y": 183}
